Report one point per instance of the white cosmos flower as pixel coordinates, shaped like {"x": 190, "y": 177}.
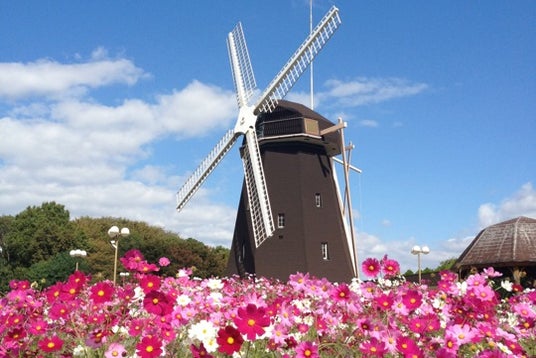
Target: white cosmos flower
{"x": 203, "y": 331}
{"x": 183, "y": 300}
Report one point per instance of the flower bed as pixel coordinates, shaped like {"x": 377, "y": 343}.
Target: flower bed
{"x": 183, "y": 316}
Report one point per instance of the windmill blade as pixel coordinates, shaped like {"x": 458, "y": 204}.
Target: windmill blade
{"x": 297, "y": 64}
{"x": 243, "y": 77}
{"x": 259, "y": 203}
{"x": 205, "y": 168}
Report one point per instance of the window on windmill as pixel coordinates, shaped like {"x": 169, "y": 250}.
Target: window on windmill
{"x": 318, "y": 200}
{"x": 324, "y": 250}
{"x": 280, "y": 220}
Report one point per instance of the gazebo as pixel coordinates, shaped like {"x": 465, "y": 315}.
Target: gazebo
{"x": 509, "y": 247}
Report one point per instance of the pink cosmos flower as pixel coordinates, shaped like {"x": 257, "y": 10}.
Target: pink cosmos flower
{"x": 19, "y": 285}
{"x": 50, "y": 344}
{"x": 164, "y": 261}
{"x": 307, "y": 349}
{"x": 407, "y": 347}
{"x": 149, "y": 283}
{"x": 384, "y": 301}
{"x": 132, "y": 259}
{"x": 340, "y": 293}
{"x": 251, "y": 321}
{"x": 412, "y": 299}
{"x": 390, "y": 267}
{"x": 115, "y": 350}
{"x": 373, "y": 348}
{"x": 78, "y": 278}
{"x": 200, "y": 352}
{"x": 38, "y": 327}
{"x": 371, "y": 267}
{"x": 102, "y": 292}
{"x": 158, "y": 303}
{"x": 149, "y": 347}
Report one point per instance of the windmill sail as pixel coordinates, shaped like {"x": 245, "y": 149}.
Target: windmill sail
{"x": 259, "y": 203}
{"x": 297, "y": 64}
{"x": 205, "y": 168}
{"x": 243, "y": 77}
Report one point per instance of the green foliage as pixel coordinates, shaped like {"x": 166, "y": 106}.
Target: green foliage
{"x": 48, "y": 272}
{"x": 37, "y": 241}
{"x": 446, "y": 264}
{"x": 39, "y": 233}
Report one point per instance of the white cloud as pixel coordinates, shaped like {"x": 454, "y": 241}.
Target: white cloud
{"x": 363, "y": 91}
{"x": 49, "y": 78}
{"x": 368, "y": 123}
{"x": 87, "y": 155}
{"x": 521, "y": 203}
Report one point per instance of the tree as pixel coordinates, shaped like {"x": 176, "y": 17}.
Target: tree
{"x": 39, "y": 233}
{"x": 446, "y": 264}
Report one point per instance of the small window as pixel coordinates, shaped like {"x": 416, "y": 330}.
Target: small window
{"x": 325, "y": 251}
{"x": 318, "y": 200}
{"x": 280, "y": 221}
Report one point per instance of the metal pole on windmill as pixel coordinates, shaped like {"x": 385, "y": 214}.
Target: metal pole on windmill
{"x": 311, "y": 68}
{"x": 348, "y": 197}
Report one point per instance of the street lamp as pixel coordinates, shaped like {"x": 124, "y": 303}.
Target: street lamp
{"x": 115, "y": 234}
{"x": 77, "y": 253}
{"x": 417, "y": 250}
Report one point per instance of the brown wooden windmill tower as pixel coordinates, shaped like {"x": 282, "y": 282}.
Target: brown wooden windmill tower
{"x": 290, "y": 216}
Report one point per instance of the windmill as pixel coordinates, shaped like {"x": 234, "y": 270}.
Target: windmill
{"x": 276, "y": 131}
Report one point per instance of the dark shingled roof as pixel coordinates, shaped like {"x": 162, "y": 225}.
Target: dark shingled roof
{"x": 509, "y": 243}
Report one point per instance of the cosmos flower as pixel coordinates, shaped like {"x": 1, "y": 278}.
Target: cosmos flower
{"x": 229, "y": 340}
{"x": 407, "y": 347}
{"x": 307, "y": 349}
{"x": 373, "y": 348}
{"x": 371, "y": 267}
{"x": 199, "y": 352}
{"x": 102, "y": 292}
{"x": 390, "y": 268}
{"x": 132, "y": 259}
{"x": 50, "y": 344}
{"x": 164, "y": 261}
{"x": 158, "y": 303}
{"x": 149, "y": 283}
{"x": 149, "y": 347}
{"x": 115, "y": 350}
{"x": 251, "y": 321}
{"x": 412, "y": 299}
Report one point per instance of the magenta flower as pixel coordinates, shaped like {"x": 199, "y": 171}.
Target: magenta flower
{"x": 412, "y": 300}
{"x": 229, "y": 340}
{"x": 102, "y": 292}
{"x": 50, "y": 344}
{"x": 371, "y": 267}
{"x": 164, "y": 261}
{"x": 407, "y": 347}
{"x": 199, "y": 352}
{"x": 158, "y": 303}
{"x": 149, "y": 283}
{"x": 340, "y": 293}
{"x": 373, "y": 348}
{"x": 390, "y": 268}
{"x": 149, "y": 347}
{"x": 251, "y": 321}
{"x": 307, "y": 349}
{"x": 132, "y": 259}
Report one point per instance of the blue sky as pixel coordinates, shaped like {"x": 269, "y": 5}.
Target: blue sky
{"x": 107, "y": 107}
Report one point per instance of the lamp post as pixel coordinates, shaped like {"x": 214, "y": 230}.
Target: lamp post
{"x": 115, "y": 234}
{"x": 417, "y": 250}
{"x": 77, "y": 253}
